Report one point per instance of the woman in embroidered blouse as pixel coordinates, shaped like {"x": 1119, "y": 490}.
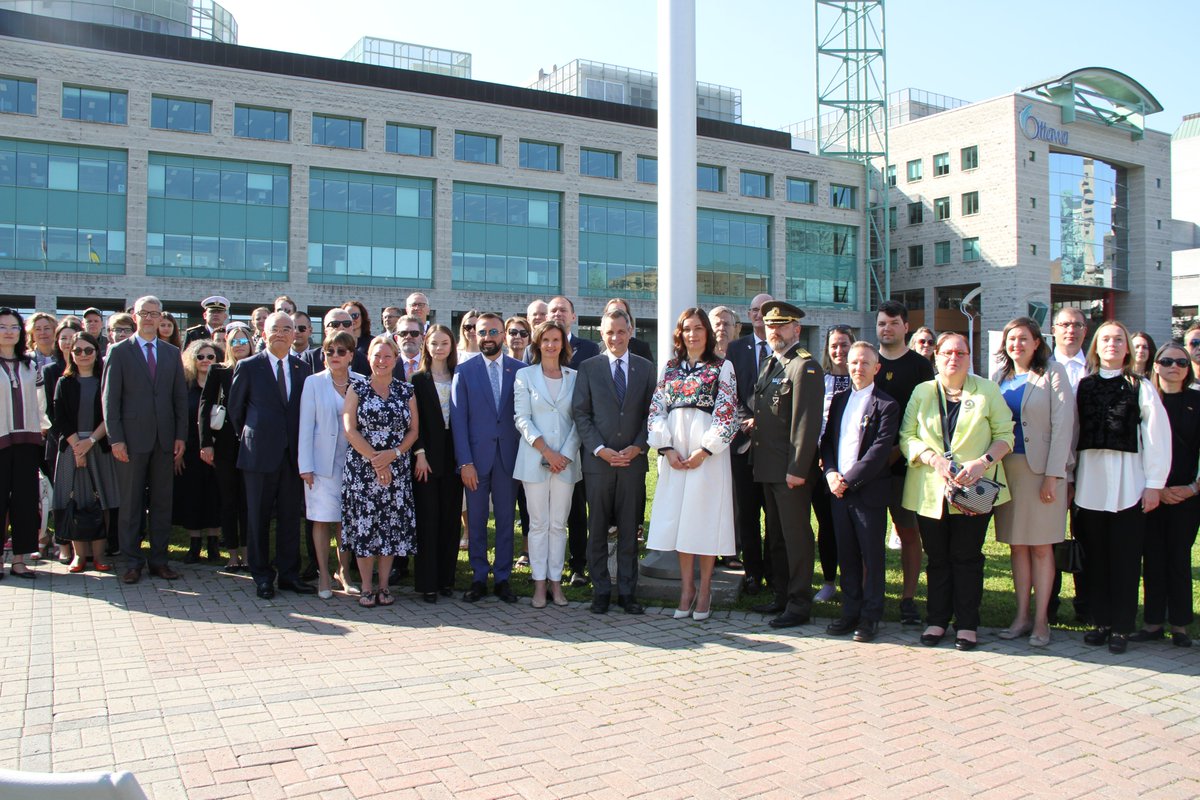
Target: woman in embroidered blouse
{"x": 692, "y": 421}
{"x": 1124, "y": 457}
{"x": 23, "y": 422}
{"x": 837, "y": 378}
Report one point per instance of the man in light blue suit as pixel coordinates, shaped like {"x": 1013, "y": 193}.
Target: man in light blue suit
{"x": 485, "y": 443}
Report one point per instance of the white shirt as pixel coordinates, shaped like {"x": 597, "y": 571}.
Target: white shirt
{"x": 287, "y": 370}
{"x": 1112, "y": 480}
{"x": 758, "y": 343}
{"x": 623, "y": 360}
{"x": 1076, "y": 366}
{"x": 850, "y": 438}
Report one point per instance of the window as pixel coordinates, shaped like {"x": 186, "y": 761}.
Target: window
{"x": 1033, "y": 155}
{"x": 733, "y": 256}
{"x": 970, "y": 157}
{"x": 893, "y": 217}
{"x": 941, "y": 165}
{"x": 18, "y": 96}
{"x": 598, "y": 163}
{"x": 250, "y": 122}
{"x": 1158, "y": 224}
{"x": 941, "y": 253}
{"x": 505, "y": 239}
{"x": 800, "y": 190}
{"x": 916, "y": 255}
{"x": 893, "y": 259}
{"x": 916, "y": 213}
{"x": 971, "y": 249}
{"x": 1033, "y": 249}
{"x": 409, "y": 140}
{"x": 337, "y": 132}
{"x": 710, "y": 178}
{"x": 1033, "y": 202}
{"x": 173, "y": 114}
{"x": 914, "y": 170}
{"x": 822, "y": 264}
{"x": 970, "y": 203}
{"x": 842, "y": 196}
{"x": 941, "y": 208}
{"x": 891, "y": 175}
{"x": 755, "y": 184}
{"x": 540, "y": 155}
{"x": 618, "y": 247}
{"x": 647, "y": 169}
{"x": 476, "y": 147}
{"x": 1158, "y": 183}
{"x": 95, "y": 105}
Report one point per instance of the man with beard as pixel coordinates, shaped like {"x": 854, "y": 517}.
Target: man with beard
{"x": 410, "y": 335}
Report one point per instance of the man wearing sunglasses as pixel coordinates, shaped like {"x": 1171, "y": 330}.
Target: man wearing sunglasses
{"x": 303, "y": 324}
{"x": 336, "y": 319}
{"x": 410, "y": 336}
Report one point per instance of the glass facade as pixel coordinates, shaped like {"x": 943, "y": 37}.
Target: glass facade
{"x": 647, "y": 169}
{"x": 756, "y": 184}
{"x": 477, "y": 147}
{"x": 404, "y": 55}
{"x": 18, "y": 96}
{"x": 62, "y": 208}
{"x": 337, "y": 132}
{"x": 618, "y": 247}
{"x": 801, "y": 190}
{"x": 198, "y": 19}
{"x": 733, "y": 255}
{"x": 95, "y": 105}
{"x": 822, "y": 264}
{"x": 408, "y": 140}
{"x": 505, "y": 239}
{"x": 250, "y": 122}
{"x": 1088, "y": 222}
{"x": 598, "y": 163}
{"x": 173, "y": 114}
{"x": 370, "y": 230}
{"x": 540, "y": 155}
{"x": 212, "y": 218}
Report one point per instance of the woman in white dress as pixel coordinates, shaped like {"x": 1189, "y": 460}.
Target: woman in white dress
{"x": 692, "y": 421}
{"x": 322, "y": 455}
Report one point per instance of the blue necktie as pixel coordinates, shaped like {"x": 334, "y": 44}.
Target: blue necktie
{"x": 494, "y": 374}
{"x": 619, "y": 382}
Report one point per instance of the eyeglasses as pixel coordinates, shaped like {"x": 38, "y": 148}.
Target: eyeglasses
{"x": 301, "y": 329}
{"x": 520, "y": 332}
{"x": 206, "y": 356}
{"x": 954, "y": 354}
{"x": 1172, "y": 362}
{"x": 489, "y": 332}
{"x": 339, "y": 323}
{"x": 418, "y": 305}
{"x": 149, "y": 314}
{"x": 409, "y": 334}
{"x": 123, "y": 330}
{"x": 10, "y": 328}
{"x": 1069, "y": 325}
{"x": 83, "y": 351}
{"x": 239, "y": 340}
{"x": 339, "y": 352}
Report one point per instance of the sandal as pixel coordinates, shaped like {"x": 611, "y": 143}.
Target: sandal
{"x": 384, "y": 597}
{"x": 366, "y": 600}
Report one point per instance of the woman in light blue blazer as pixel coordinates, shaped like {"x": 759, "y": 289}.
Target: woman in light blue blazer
{"x": 548, "y": 456}
{"x": 322, "y": 454}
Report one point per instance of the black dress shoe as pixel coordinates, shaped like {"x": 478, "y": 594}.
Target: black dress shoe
{"x": 504, "y": 592}
{"x": 965, "y": 644}
{"x": 630, "y": 604}
{"x": 600, "y": 604}
{"x": 429, "y": 597}
{"x": 840, "y": 627}
{"x": 773, "y": 607}
{"x": 446, "y": 591}
{"x": 266, "y": 591}
{"x": 1117, "y": 643}
{"x": 477, "y": 591}
{"x": 866, "y": 630}
{"x": 309, "y": 574}
{"x": 299, "y": 587}
{"x": 789, "y": 619}
{"x": 909, "y": 615}
{"x": 932, "y": 639}
{"x": 1144, "y": 635}
{"x": 751, "y": 585}
{"x": 1097, "y": 636}
{"x": 1180, "y": 639}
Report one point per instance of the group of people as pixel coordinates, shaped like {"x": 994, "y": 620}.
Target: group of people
{"x": 391, "y": 445}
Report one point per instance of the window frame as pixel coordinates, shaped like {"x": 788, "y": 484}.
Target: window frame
{"x": 916, "y": 213}
{"x": 941, "y": 253}
{"x": 811, "y": 186}
{"x": 766, "y": 181}
{"x": 248, "y": 109}
{"x": 914, "y": 170}
{"x": 916, "y": 256}
{"x": 640, "y": 176}
{"x": 850, "y": 191}
{"x": 586, "y": 157}
{"x": 79, "y": 104}
{"x": 973, "y": 162}
{"x": 18, "y": 85}
{"x": 389, "y": 127}
{"x": 719, "y": 171}
{"x": 970, "y": 199}
{"x": 974, "y": 253}
{"x": 490, "y": 142}
{"x": 942, "y": 169}
{"x": 166, "y": 98}
{"x": 351, "y": 121}
{"x": 522, "y": 160}
{"x": 941, "y": 208}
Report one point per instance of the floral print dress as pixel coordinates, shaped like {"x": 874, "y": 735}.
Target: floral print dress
{"x": 379, "y": 520}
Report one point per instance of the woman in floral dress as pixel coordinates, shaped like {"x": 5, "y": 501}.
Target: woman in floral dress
{"x": 692, "y": 421}
{"x": 377, "y": 499}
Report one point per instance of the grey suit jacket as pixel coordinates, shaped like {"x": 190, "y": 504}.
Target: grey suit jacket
{"x": 140, "y": 413}
{"x": 601, "y": 421}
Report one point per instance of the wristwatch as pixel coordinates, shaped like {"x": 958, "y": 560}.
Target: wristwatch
{"x": 988, "y": 458}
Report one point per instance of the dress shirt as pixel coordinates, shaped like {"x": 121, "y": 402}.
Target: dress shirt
{"x": 623, "y": 360}
{"x": 1076, "y": 366}
{"x": 850, "y": 438}
{"x": 287, "y": 371}
{"x": 410, "y": 366}
{"x": 141, "y": 343}
{"x": 758, "y": 343}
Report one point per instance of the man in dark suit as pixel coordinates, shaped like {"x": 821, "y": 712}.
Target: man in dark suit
{"x": 562, "y": 310}
{"x": 483, "y": 421}
{"x": 855, "y": 452}
{"x": 264, "y": 408}
{"x": 788, "y": 400}
{"x": 611, "y": 406}
{"x": 336, "y": 319}
{"x": 146, "y": 411}
{"x": 747, "y": 354}
{"x": 216, "y": 314}
{"x": 636, "y": 345}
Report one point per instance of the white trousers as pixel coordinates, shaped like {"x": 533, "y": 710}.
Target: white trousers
{"x": 548, "y": 503}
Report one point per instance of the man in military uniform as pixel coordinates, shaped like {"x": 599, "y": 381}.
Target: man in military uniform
{"x": 216, "y": 312}
{"x": 788, "y": 402}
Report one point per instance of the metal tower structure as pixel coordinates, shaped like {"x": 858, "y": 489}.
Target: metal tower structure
{"x": 852, "y": 116}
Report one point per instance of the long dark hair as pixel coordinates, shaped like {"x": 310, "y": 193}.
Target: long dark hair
{"x": 71, "y": 370}
{"x": 21, "y": 348}
{"x": 426, "y": 364}
{"x": 68, "y": 323}
{"x": 709, "y": 355}
{"x": 1041, "y": 352}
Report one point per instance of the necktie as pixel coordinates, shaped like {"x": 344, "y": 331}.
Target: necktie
{"x": 494, "y": 374}
{"x": 412, "y": 367}
{"x": 619, "y": 381}
{"x": 281, "y": 381}
{"x": 763, "y": 353}
{"x": 151, "y": 362}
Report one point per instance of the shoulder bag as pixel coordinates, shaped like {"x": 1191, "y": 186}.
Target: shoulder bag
{"x": 973, "y": 500}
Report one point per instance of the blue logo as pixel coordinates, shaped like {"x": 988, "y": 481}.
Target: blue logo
{"x": 1034, "y": 128}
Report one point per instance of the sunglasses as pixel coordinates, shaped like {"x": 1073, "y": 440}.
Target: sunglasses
{"x": 489, "y": 332}
{"x": 239, "y": 340}
{"x": 922, "y": 341}
{"x": 519, "y": 332}
{"x": 302, "y": 329}
{"x": 339, "y": 323}
{"x": 353, "y": 314}
{"x": 83, "y": 351}
{"x": 410, "y": 334}
{"x": 206, "y": 357}
{"x": 1172, "y": 362}
{"x": 1194, "y": 343}
{"x": 339, "y": 352}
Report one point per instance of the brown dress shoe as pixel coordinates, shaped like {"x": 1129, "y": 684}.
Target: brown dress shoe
{"x": 164, "y": 572}
{"x": 132, "y": 576}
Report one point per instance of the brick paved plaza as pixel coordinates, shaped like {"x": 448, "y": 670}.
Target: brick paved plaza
{"x": 203, "y": 691}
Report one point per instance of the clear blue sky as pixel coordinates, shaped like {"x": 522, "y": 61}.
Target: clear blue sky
{"x": 970, "y": 49}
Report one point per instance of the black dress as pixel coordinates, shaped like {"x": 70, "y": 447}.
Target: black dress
{"x": 197, "y": 502}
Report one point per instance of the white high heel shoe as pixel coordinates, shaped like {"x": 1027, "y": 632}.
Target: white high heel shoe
{"x": 681, "y": 613}
{"x": 700, "y": 616}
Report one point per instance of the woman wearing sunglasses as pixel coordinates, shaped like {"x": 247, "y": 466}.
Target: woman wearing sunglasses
{"x": 468, "y": 342}
{"x": 88, "y": 467}
{"x": 361, "y": 323}
{"x": 197, "y": 501}
{"x": 219, "y": 445}
{"x": 1171, "y": 528}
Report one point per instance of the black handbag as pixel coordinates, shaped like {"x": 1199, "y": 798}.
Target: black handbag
{"x": 1068, "y": 555}
{"x": 973, "y": 500}
{"x": 83, "y": 518}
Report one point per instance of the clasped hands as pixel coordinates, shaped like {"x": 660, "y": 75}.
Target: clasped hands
{"x": 619, "y": 458}
{"x": 698, "y": 457}
{"x": 381, "y": 462}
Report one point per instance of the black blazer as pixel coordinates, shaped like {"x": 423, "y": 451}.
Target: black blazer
{"x": 315, "y": 358}
{"x": 741, "y": 354}
{"x": 870, "y": 479}
{"x": 268, "y": 429}
{"x": 433, "y": 435}
{"x": 640, "y": 348}
{"x": 216, "y": 391}
{"x": 582, "y": 350}
{"x": 51, "y": 373}
{"x": 64, "y": 422}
